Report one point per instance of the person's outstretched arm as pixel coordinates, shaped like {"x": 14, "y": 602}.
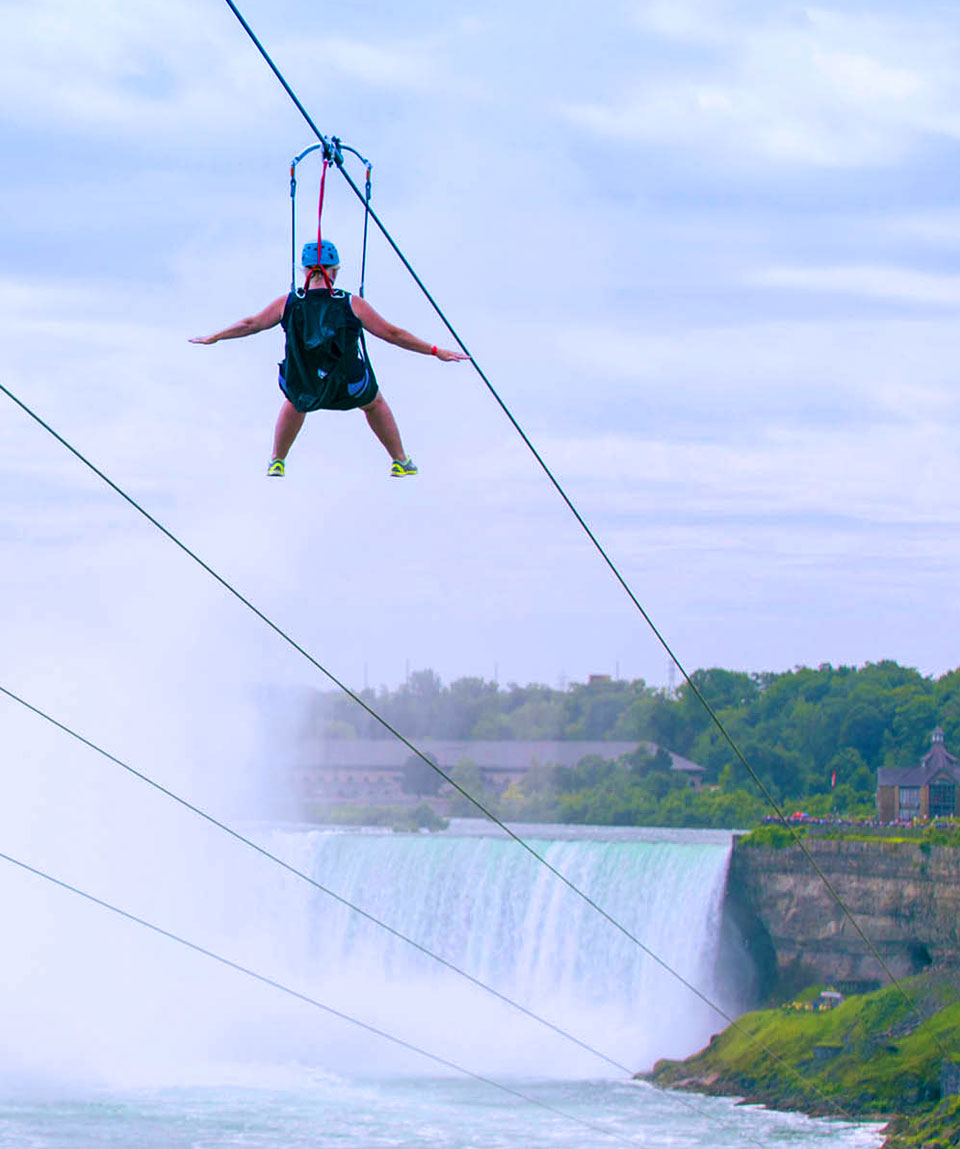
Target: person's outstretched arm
{"x": 269, "y": 317}
{"x": 378, "y": 326}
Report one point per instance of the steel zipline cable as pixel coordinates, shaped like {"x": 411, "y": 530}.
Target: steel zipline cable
{"x": 312, "y": 1001}
{"x": 412, "y": 747}
{"x": 572, "y": 886}
{"x": 336, "y": 158}
{"x": 287, "y": 638}
{"x": 378, "y": 718}
{"x": 406, "y": 742}
{"x": 808, "y": 1086}
{"x": 271, "y": 857}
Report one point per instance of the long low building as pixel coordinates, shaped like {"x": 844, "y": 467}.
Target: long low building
{"x": 371, "y": 770}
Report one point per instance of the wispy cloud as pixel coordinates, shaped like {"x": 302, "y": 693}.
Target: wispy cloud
{"x": 805, "y": 86}
{"x": 142, "y": 70}
{"x": 896, "y": 283}
{"x": 409, "y": 64}
{"x": 732, "y": 378}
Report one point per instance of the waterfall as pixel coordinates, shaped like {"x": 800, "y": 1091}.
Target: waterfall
{"x": 487, "y": 906}
{"x": 89, "y": 997}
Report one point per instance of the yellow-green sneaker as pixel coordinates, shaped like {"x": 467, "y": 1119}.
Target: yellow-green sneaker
{"x": 400, "y": 469}
{"x": 275, "y": 470}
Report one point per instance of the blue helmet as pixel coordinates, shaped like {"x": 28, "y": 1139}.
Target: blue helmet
{"x": 329, "y": 256}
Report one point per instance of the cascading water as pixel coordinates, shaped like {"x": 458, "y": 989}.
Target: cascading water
{"x": 487, "y": 906}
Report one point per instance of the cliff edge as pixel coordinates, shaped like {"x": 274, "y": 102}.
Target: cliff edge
{"x": 905, "y": 895}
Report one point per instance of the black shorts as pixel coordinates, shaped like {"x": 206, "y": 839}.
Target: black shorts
{"x": 339, "y": 397}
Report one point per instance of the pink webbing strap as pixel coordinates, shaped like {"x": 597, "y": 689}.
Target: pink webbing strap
{"x": 310, "y": 273}
{"x": 323, "y": 183}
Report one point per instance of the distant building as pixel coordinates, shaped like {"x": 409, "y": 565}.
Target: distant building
{"x": 925, "y": 791}
{"x": 370, "y": 770}
{"x": 829, "y": 999}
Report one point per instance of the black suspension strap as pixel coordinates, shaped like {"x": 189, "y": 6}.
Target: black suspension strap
{"x": 338, "y": 149}
{"x": 366, "y": 222}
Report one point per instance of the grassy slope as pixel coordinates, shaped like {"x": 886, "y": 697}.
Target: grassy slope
{"x": 887, "y": 1059}
{"x": 939, "y": 1129}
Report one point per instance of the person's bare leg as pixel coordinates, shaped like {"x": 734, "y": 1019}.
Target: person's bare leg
{"x": 384, "y": 426}
{"x": 289, "y": 422}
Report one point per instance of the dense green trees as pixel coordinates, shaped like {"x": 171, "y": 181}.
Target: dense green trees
{"x": 815, "y": 737}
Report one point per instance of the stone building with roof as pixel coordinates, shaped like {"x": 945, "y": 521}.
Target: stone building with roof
{"x": 928, "y": 790}
{"x": 371, "y": 770}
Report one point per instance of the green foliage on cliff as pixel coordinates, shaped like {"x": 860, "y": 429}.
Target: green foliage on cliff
{"x": 924, "y": 836}
{"x": 873, "y": 1055}
{"x": 940, "y": 836}
{"x": 939, "y": 1129}
{"x": 773, "y": 836}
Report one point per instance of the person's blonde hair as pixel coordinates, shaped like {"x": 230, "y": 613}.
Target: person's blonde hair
{"x": 327, "y": 272}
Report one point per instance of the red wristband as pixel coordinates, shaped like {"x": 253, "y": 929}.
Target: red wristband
{"x": 433, "y": 349}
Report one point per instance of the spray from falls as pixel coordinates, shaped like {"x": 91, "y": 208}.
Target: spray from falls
{"x": 123, "y": 1006}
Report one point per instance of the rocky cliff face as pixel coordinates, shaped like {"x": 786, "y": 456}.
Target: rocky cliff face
{"x": 905, "y": 897}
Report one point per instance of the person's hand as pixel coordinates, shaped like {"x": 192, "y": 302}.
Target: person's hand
{"x": 450, "y": 356}
{"x": 204, "y": 339}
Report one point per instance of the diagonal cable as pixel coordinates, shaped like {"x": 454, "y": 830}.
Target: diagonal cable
{"x": 421, "y": 755}
{"x": 594, "y": 540}
{"x": 227, "y": 829}
{"x": 280, "y": 632}
{"x": 612, "y": 566}
{"x": 351, "y": 906}
{"x": 312, "y": 1001}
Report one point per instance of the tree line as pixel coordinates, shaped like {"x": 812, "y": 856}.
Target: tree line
{"x": 815, "y": 737}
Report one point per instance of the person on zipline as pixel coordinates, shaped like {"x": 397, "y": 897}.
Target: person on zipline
{"x": 325, "y": 366}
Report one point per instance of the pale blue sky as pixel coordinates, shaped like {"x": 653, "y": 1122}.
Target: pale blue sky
{"x": 707, "y": 251}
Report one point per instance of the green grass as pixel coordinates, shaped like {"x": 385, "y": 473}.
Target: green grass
{"x": 888, "y": 1060}
{"x": 778, "y": 837}
{"x": 774, "y": 837}
{"x": 925, "y": 838}
{"x": 939, "y": 1129}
